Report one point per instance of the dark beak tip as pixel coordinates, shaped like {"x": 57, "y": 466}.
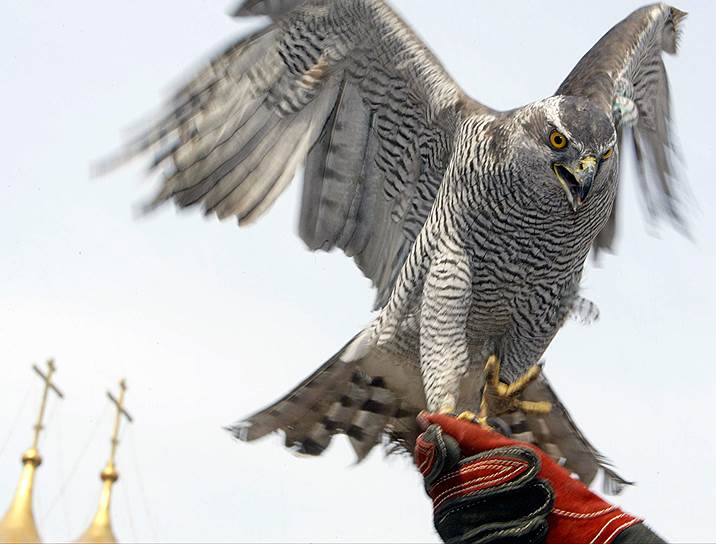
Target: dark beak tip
{"x": 578, "y": 186}
{"x": 584, "y": 190}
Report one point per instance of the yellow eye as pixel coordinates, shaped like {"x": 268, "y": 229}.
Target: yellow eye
{"x": 607, "y": 153}
{"x": 557, "y": 140}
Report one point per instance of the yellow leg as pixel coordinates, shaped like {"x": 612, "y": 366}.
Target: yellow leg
{"x": 447, "y": 407}
{"x": 522, "y": 382}
{"x": 499, "y": 397}
{"x": 533, "y": 407}
{"x": 467, "y": 415}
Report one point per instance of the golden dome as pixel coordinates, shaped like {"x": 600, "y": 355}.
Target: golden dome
{"x": 100, "y": 529}
{"x": 18, "y": 524}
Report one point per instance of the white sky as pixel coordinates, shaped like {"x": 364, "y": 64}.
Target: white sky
{"x": 208, "y": 322}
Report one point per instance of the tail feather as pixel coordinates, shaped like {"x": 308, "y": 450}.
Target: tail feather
{"x": 375, "y": 399}
{"x": 365, "y": 399}
{"x": 317, "y": 429}
{"x": 337, "y": 419}
{"x": 368, "y": 424}
{"x": 299, "y": 405}
{"x": 558, "y": 435}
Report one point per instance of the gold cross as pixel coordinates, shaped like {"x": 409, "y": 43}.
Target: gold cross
{"x": 119, "y": 404}
{"x": 47, "y": 378}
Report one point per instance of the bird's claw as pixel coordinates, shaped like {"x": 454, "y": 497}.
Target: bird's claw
{"x": 499, "y": 397}
{"x": 472, "y": 417}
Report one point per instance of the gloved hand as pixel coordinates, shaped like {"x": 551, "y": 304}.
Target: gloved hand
{"x": 488, "y": 488}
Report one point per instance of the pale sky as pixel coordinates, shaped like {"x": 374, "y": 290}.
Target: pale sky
{"x": 209, "y": 322}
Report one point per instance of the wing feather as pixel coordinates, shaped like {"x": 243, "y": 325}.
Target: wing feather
{"x": 625, "y": 73}
{"x": 337, "y": 170}
{"x": 344, "y": 87}
{"x": 273, "y": 8}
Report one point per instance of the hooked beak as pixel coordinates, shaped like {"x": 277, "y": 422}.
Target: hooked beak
{"x": 576, "y": 179}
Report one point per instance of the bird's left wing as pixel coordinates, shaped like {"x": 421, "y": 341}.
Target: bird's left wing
{"x": 272, "y": 8}
{"x": 625, "y": 74}
{"x": 557, "y": 434}
{"x": 345, "y": 88}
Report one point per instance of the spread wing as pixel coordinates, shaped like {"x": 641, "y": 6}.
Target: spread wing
{"x": 624, "y": 73}
{"x": 272, "y": 8}
{"x": 345, "y": 88}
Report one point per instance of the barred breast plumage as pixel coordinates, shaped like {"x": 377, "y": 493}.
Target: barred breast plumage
{"x": 473, "y": 224}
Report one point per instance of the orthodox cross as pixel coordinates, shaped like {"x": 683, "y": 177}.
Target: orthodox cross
{"x": 47, "y": 378}
{"x": 119, "y": 404}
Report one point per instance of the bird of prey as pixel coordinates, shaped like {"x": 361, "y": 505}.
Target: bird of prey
{"x": 473, "y": 224}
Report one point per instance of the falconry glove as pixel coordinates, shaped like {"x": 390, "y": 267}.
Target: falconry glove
{"x": 469, "y": 493}
{"x": 488, "y": 488}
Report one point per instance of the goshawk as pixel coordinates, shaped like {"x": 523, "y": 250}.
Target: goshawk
{"x": 473, "y": 224}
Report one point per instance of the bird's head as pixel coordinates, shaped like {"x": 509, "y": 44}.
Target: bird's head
{"x": 569, "y": 146}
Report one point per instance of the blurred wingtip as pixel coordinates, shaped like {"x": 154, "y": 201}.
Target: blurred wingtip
{"x": 612, "y": 483}
{"x": 118, "y": 158}
{"x": 251, "y": 8}
{"x": 256, "y": 8}
{"x": 239, "y": 430}
{"x": 101, "y": 167}
{"x": 143, "y": 210}
{"x": 678, "y": 15}
{"x": 240, "y": 10}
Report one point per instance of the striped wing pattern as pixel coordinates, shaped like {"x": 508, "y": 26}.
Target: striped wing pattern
{"x": 344, "y": 88}
{"x": 624, "y": 72}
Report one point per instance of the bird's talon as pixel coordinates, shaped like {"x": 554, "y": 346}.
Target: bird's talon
{"x": 468, "y": 416}
{"x": 534, "y": 407}
{"x": 499, "y": 397}
{"x": 472, "y": 417}
{"x": 521, "y": 383}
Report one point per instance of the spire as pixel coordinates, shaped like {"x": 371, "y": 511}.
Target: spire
{"x": 18, "y": 525}
{"x": 100, "y": 530}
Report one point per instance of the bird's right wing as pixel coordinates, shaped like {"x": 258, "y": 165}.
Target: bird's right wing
{"x": 345, "y": 88}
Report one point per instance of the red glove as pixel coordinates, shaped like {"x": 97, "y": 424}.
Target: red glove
{"x": 480, "y": 467}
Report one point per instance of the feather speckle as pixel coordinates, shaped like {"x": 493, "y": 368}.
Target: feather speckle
{"x": 459, "y": 214}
